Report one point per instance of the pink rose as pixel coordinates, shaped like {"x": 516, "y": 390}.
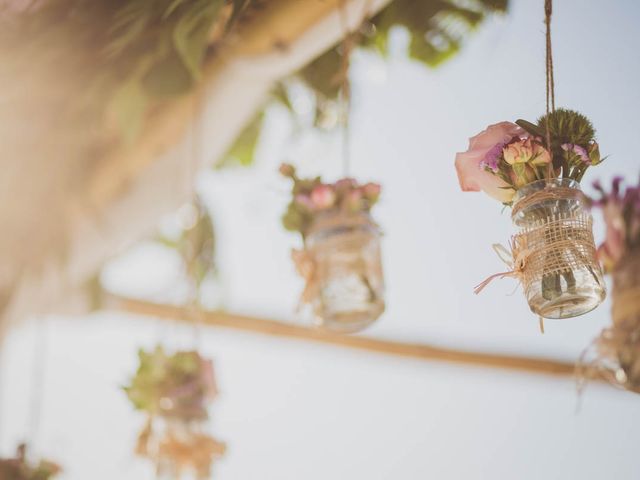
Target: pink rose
{"x": 472, "y": 175}
{"x": 323, "y": 196}
{"x": 526, "y": 151}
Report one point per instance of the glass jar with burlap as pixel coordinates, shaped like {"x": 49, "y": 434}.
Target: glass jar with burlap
{"x": 560, "y": 273}
{"x": 345, "y": 286}
{"x": 619, "y": 345}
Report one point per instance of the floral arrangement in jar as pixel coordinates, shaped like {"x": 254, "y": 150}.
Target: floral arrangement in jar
{"x": 536, "y": 170}
{"x": 340, "y": 260}
{"x": 175, "y": 391}
{"x": 19, "y": 468}
{"x": 617, "y": 349}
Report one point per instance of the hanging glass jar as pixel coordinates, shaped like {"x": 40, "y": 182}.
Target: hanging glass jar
{"x": 561, "y": 276}
{"x": 347, "y": 286}
{"x": 621, "y": 342}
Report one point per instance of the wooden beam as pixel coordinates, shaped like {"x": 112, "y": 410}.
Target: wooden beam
{"x": 401, "y": 349}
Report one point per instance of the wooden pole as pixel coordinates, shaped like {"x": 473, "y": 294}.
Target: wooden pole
{"x": 287, "y": 330}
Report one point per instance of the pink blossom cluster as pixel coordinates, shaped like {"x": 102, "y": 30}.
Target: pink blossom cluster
{"x": 500, "y": 160}
{"x": 621, "y": 212}
{"x": 311, "y": 197}
{"x": 345, "y": 194}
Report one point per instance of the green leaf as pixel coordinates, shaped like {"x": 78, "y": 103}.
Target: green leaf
{"x": 191, "y": 34}
{"x": 128, "y": 106}
{"x": 243, "y": 150}
{"x": 530, "y": 128}
{"x": 238, "y": 8}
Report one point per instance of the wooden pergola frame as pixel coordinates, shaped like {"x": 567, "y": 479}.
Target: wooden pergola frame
{"x": 274, "y": 328}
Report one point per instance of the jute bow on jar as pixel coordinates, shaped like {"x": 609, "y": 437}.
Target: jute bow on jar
{"x": 305, "y": 263}
{"x": 516, "y": 260}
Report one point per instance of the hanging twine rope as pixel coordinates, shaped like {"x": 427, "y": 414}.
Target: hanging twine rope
{"x": 549, "y": 82}
{"x": 349, "y": 42}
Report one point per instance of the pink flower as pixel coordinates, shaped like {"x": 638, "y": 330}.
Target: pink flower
{"x": 287, "y": 170}
{"x": 470, "y": 165}
{"x": 613, "y": 248}
{"x": 323, "y": 196}
{"x": 353, "y": 202}
{"x": 526, "y": 151}
{"x": 345, "y": 184}
{"x": 371, "y": 192}
{"x": 208, "y": 380}
{"x": 305, "y": 202}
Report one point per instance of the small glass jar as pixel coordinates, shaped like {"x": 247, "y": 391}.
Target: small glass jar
{"x": 562, "y": 277}
{"x": 345, "y": 249}
{"x": 624, "y": 336}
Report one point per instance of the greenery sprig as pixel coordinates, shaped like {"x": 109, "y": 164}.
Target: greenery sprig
{"x": 178, "y": 385}
{"x": 573, "y": 145}
{"x": 19, "y": 468}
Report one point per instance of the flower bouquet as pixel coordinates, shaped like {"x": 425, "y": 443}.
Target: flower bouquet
{"x": 618, "y": 347}
{"x": 174, "y": 391}
{"x": 19, "y": 468}
{"x": 535, "y": 169}
{"x": 340, "y": 260}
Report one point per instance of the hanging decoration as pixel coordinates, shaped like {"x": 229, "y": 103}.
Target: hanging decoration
{"x": 536, "y": 169}
{"x": 19, "y": 467}
{"x": 174, "y": 391}
{"x": 340, "y": 260}
{"x": 615, "y": 354}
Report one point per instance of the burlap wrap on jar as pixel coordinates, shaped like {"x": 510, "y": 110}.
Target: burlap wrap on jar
{"x": 342, "y": 267}
{"x": 560, "y": 273}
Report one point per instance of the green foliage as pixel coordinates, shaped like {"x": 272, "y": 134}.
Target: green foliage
{"x": 128, "y": 54}
{"x": 19, "y": 468}
{"x": 196, "y": 246}
{"x": 243, "y": 149}
{"x": 567, "y": 126}
{"x": 436, "y": 28}
{"x": 168, "y": 384}
{"x": 573, "y": 146}
{"x": 159, "y": 46}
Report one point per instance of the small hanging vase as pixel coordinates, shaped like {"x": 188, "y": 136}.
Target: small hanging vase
{"x": 561, "y": 275}
{"x": 620, "y": 344}
{"x": 345, "y": 286}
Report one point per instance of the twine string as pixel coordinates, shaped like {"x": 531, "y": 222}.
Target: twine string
{"x": 550, "y": 84}
{"x": 345, "y": 88}
{"x": 349, "y": 43}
